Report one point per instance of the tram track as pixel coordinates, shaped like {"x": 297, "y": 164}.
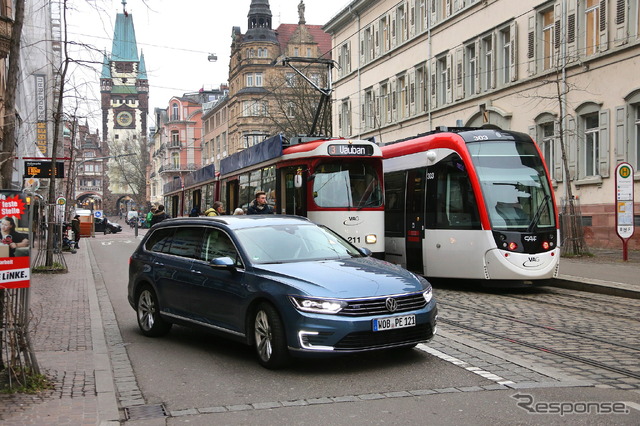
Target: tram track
{"x": 544, "y": 349}
{"x": 544, "y": 327}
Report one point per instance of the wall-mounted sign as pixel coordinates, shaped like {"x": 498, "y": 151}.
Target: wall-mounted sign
{"x": 42, "y": 169}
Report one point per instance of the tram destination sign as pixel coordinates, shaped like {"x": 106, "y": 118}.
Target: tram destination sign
{"x": 344, "y": 149}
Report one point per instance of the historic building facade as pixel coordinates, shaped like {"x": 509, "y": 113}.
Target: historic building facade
{"x": 408, "y": 66}
{"x": 124, "y": 90}
{"x": 260, "y": 88}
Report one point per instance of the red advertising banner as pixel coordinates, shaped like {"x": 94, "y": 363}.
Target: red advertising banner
{"x": 14, "y": 241}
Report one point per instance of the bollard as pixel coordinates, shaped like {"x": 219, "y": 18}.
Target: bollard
{"x": 136, "y": 228}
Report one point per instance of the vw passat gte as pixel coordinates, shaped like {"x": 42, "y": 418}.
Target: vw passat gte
{"x": 281, "y": 284}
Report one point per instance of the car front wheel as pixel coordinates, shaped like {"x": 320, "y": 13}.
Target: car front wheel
{"x": 270, "y": 341}
{"x": 107, "y": 230}
{"x": 148, "y": 310}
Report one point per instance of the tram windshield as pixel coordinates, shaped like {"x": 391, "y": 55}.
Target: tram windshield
{"x": 514, "y": 185}
{"x": 347, "y": 185}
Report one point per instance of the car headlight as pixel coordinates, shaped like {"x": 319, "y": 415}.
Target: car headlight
{"x": 318, "y": 306}
{"x": 371, "y": 239}
{"x": 428, "y": 294}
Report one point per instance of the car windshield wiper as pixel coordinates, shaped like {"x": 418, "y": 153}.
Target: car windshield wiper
{"x": 536, "y": 218}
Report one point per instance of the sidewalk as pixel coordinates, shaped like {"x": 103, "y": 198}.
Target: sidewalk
{"x": 605, "y": 273}
{"x": 68, "y": 338}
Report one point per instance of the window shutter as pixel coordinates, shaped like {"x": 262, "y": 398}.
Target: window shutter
{"x": 571, "y": 31}
{"x": 362, "y": 48}
{"x": 432, "y": 71}
{"x": 571, "y": 147}
{"x": 434, "y": 12}
{"x": 363, "y": 113}
{"x": 622, "y": 32}
{"x": 348, "y": 57}
{"x": 393, "y": 27}
{"x": 459, "y": 76}
{"x": 412, "y": 18}
{"x": 603, "y": 151}
{"x": 621, "y": 134}
{"x": 513, "y": 63}
{"x": 531, "y": 45}
{"x": 376, "y": 41}
{"x": 604, "y": 36}
{"x": 411, "y": 96}
{"x": 556, "y": 172}
{"x": 493, "y": 60}
{"x": 478, "y": 66}
{"x": 449, "y": 78}
{"x": 350, "y": 119}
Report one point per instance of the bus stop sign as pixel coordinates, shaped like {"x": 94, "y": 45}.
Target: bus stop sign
{"x": 624, "y": 204}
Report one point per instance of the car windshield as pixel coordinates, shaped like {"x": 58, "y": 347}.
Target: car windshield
{"x": 293, "y": 243}
{"x": 351, "y": 184}
{"x": 514, "y": 184}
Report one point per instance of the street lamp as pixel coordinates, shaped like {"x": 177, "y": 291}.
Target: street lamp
{"x": 212, "y": 57}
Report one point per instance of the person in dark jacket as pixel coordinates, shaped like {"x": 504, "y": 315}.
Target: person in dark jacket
{"x": 259, "y": 205}
{"x": 159, "y": 215}
{"x": 75, "y": 227}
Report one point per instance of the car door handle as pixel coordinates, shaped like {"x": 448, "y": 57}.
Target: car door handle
{"x": 196, "y": 272}
{"x": 158, "y": 263}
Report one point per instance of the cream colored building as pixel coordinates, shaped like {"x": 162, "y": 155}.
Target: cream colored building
{"x": 408, "y": 66}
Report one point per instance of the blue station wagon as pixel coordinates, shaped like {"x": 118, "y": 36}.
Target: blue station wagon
{"x": 281, "y": 284}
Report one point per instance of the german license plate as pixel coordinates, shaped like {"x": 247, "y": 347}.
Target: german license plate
{"x": 390, "y": 323}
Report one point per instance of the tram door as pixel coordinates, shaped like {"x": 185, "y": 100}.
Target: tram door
{"x": 232, "y": 195}
{"x": 295, "y": 199}
{"x": 415, "y": 212}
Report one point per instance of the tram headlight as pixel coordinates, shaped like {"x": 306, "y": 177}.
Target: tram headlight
{"x": 371, "y": 239}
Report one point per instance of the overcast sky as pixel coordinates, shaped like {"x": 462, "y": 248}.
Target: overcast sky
{"x": 176, "y": 37}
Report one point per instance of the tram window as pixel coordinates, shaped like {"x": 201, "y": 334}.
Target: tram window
{"x": 346, "y": 185}
{"x": 451, "y": 203}
{"x": 394, "y": 187}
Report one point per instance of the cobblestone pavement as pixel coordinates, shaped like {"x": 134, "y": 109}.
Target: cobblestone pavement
{"x": 61, "y": 334}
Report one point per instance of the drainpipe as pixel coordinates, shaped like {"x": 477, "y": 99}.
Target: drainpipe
{"x": 429, "y": 74}
{"x": 357, "y": 15}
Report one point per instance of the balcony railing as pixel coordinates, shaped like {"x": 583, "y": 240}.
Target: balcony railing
{"x": 6, "y": 28}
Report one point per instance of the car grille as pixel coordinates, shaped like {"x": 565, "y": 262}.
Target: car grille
{"x": 407, "y": 302}
{"x": 378, "y": 339}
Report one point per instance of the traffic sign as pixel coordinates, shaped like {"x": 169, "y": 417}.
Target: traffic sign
{"x": 97, "y": 214}
{"x": 61, "y": 201}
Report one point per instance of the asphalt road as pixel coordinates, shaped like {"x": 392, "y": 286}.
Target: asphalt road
{"x": 202, "y": 379}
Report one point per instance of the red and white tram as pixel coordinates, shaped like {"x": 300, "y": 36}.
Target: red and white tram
{"x": 470, "y": 204}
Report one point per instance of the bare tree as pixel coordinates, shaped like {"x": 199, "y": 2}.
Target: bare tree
{"x": 294, "y": 103}
{"x": 129, "y": 171}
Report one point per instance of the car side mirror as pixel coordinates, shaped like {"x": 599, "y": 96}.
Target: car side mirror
{"x": 365, "y": 251}
{"x": 223, "y": 263}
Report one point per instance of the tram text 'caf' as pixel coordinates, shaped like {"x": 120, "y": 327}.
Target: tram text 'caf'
{"x": 471, "y": 204}
{"x": 333, "y": 182}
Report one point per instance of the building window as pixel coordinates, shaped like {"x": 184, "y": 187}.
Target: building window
{"x": 249, "y": 80}
{"x": 421, "y": 89}
{"x": 403, "y": 98}
{"x": 507, "y": 55}
{"x": 548, "y": 39}
{"x": 344, "y": 59}
{"x": 174, "y": 112}
{"x": 344, "y": 118}
{"x": 291, "y": 110}
{"x": 368, "y": 109}
{"x": 488, "y": 65}
{"x": 258, "y": 79}
{"x": 386, "y": 105}
{"x": 471, "y": 69}
{"x": 591, "y": 145}
{"x": 592, "y": 26}
{"x": 175, "y": 160}
{"x": 175, "y": 138}
{"x": 636, "y": 135}
{"x": 547, "y": 132}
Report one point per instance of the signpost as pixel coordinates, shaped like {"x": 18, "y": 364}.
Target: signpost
{"x": 624, "y": 205}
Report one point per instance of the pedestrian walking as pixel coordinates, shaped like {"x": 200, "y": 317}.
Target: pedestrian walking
{"x": 159, "y": 215}
{"x": 75, "y": 227}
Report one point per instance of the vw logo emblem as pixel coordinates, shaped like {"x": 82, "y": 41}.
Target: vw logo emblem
{"x": 391, "y": 304}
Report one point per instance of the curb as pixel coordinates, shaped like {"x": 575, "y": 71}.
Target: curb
{"x": 107, "y": 409}
{"x": 596, "y": 286}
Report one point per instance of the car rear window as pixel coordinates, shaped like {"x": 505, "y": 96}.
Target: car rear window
{"x": 160, "y": 239}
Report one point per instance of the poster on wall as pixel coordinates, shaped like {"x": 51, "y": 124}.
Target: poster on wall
{"x": 14, "y": 243}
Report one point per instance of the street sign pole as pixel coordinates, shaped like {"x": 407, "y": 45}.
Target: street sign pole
{"x": 624, "y": 205}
